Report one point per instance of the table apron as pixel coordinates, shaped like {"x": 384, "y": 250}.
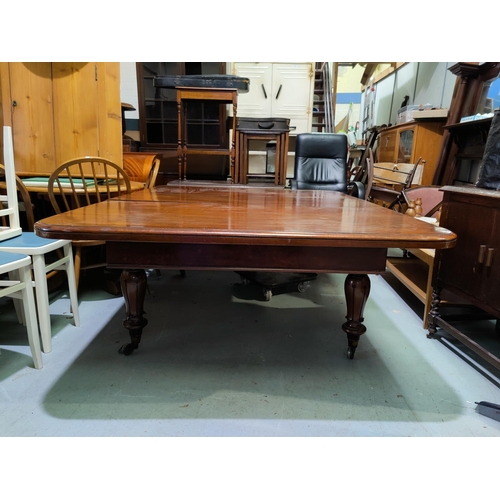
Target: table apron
{"x": 147, "y": 255}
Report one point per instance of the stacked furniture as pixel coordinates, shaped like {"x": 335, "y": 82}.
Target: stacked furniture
{"x": 262, "y": 129}
{"x": 14, "y": 240}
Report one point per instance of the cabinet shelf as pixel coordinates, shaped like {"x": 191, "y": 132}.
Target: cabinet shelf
{"x": 416, "y": 274}
{"x": 412, "y": 273}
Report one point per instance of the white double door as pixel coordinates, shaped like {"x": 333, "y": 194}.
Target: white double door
{"x": 278, "y": 90}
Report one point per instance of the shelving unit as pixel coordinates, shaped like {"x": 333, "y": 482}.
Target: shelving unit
{"x": 416, "y": 275}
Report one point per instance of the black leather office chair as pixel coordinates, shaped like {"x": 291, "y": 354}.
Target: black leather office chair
{"x": 320, "y": 163}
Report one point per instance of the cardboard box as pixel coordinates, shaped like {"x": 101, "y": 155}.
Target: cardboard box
{"x": 430, "y": 113}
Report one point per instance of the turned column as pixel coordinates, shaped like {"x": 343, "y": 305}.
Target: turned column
{"x": 357, "y": 290}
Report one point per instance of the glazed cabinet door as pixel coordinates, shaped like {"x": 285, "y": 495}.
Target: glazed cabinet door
{"x": 387, "y": 146}
{"x": 405, "y": 146}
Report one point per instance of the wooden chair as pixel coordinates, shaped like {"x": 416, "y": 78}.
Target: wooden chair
{"x": 142, "y": 167}
{"x": 25, "y": 205}
{"x": 82, "y": 182}
{"x": 14, "y": 240}
{"x": 358, "y": 172}
{"x": 365, "y": 173}
{"x": 15, "y": 282}
{"x": 431, "y": 196}
{"x": 415, "y": 269}
{"x": 391, "y": 180}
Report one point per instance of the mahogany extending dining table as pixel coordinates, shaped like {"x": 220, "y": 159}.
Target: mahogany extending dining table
{"x": 241, "y": 229}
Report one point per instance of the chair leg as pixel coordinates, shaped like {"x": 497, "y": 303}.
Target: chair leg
{"x": 77, "y": 265}
{"x": 19, "y": 311}
{"x": 72, "y": 286}
{"x": 18, "y": 306}
{"x": 30, "y": 314}
{"x": 42, "y": 299}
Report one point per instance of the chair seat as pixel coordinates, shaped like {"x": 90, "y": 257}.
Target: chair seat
{"x": 9, "y": 258}
{"x": 31, "y": 243}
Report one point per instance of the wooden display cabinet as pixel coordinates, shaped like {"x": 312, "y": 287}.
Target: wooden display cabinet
{"x": 407, "y": 142}
{"x": 158, "y": 119}
{"x": 59, "y": 111}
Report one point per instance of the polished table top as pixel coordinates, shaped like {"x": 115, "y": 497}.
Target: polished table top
{"x": 245, "y": 216}
{"x": 265, "y": 229}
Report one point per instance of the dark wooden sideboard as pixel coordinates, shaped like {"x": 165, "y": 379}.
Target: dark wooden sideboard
{"x": 472, "y": 268}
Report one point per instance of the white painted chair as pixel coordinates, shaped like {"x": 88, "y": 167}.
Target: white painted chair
{"x": 13, "y": 239}
{"x": 17, "y": 268}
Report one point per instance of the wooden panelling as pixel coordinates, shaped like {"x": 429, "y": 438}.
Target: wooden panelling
{"x": 109, "y": 112}
{"x": 60, "y": 111}
{"x": 32, "y": 117}
{"x": 75, "y": 111}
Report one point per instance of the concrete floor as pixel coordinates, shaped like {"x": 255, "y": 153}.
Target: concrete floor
{"x": 218, "y": 360}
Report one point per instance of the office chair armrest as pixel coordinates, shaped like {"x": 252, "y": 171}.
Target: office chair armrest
{"x": 357, "y": 189}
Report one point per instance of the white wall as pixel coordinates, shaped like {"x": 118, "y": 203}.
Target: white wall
{"x": 424, "y": 82}
{"x": 128, "y": 88}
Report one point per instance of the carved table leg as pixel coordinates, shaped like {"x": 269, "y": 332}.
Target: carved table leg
{"x": 357, "y": 289}
{"x": 434, "y": 312}
{"x": 133, "y": 283}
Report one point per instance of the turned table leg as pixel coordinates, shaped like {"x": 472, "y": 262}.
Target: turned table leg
{"x": 133, "y": 283}
{"x": 357, "y": 289}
